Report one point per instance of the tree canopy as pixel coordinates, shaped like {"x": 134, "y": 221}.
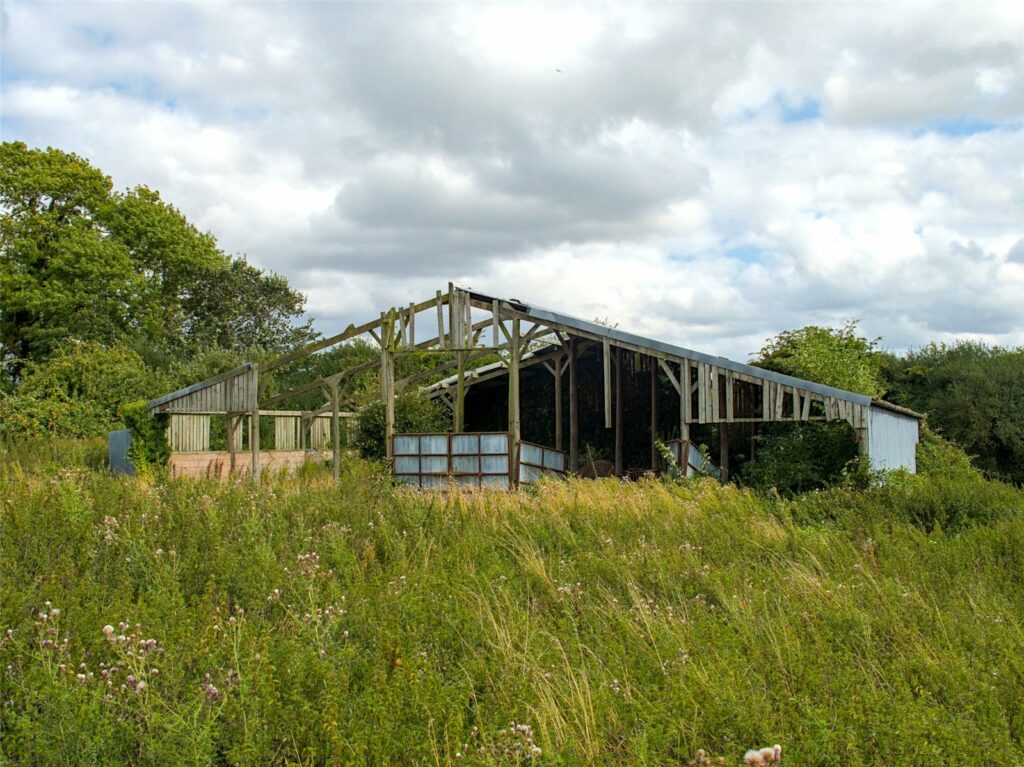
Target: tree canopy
{"x": 80, "y": 261}
{"x": 973, "y": 394}
{"x": 831, "y": 356}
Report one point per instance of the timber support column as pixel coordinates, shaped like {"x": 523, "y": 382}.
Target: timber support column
{"x": 514, "y": 430}
{"x": 559, "y": 369}
{"x": 684, "y": 404}
{"x": 387, "y": 380}
{"x": 460, "y": 393}
{"x": 723, "y": 450}
{"x": 232, "y": 446}
{"x": 254, "y": 430}
{"x": 862, "y": 442}
{"x": 335, "y": 434}
{"x": 574, "y": 410}
{"x": 618, "y": 412}
{"x": 654, "y": 412}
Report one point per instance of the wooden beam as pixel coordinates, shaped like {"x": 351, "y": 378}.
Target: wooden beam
{"x": 702, "y": 393}
{"x": 515, "y": 433}
{"x": 460, "y": 392}
{"x": 232, "y": 437}
{"x": 618, "y": 412}
{"x": 606, "y": 360}
{"x": 723, "y": 450}
{"x": 440, "y": 321}
{"x": 730, "y": 397}
{"x": 558, "y": 402}
{"x": 574, "y": 410}
{"x": 254, "y": 438}
{"x": 387, "y": 378}
{"x": 685, "y": 401}
{"x": 654, "y": 412}
{"x": 335, "y": 435}
{"x": 671, "y": 376}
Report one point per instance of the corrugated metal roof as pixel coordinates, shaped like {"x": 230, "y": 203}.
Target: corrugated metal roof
{"x": 614, "y": 334}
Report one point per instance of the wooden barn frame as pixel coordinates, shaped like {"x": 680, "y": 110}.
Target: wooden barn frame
{"x": 471, "y": 326}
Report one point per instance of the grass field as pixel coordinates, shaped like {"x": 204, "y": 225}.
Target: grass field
{"x": 591, "y": 622}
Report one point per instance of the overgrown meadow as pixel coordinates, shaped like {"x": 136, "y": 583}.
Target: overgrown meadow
{"x": 166, "y": 622}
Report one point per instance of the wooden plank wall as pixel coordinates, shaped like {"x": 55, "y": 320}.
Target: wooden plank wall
{"x": 233, "y": 395}
{"x": 189, "y": 433}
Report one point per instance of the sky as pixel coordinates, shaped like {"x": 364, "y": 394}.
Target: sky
{"x": 708, "y": 174}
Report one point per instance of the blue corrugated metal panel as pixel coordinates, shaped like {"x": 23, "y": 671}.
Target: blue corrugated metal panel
{"x": 118, "y": 443}
{"x": 892, "y": 440}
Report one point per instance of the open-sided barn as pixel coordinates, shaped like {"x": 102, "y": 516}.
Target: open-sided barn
{"x": 556, "y": 392}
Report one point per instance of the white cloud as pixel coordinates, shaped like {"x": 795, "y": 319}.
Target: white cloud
{"x": 707, "y": 174}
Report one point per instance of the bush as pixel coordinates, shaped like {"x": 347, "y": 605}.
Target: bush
{"x": 77, "y": 393}
{"x": 24, "y": 417}
{"x": 149, "y": 435}
{"x": 413, "y": 413}
{"x": 797, "y": 458}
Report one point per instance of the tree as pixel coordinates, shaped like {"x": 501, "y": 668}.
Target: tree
{"x": 795, "y": 458}
{"x": 973, "y": 395}
{"x": 61, "y": 276}
{"x": 831, "y": 356}
{"x": 81, "y": 262}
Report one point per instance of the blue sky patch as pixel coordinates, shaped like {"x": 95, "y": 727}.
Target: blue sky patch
{"x": 958, "y": 126}
{"x": 748, "y": 254}
{"x": 809, "y": 109}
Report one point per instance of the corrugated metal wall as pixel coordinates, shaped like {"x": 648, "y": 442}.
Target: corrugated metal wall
{"x": 892, "y": 440}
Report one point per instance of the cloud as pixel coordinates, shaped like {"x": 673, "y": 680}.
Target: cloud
{"x": 707, "y": 174}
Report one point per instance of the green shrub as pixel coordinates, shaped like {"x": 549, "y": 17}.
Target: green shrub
{"x": 413, "y": 413}
{"x": 26, "y": 416}
{"x": 797, "y": 458}
{"x": 937, "y": 455}
{"x": 77, "y": 393}
{"x": 149, "y": 435}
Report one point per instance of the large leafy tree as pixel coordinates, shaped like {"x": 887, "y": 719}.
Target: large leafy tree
{"x": 832, "y": 356}
{"x": 973, "y": 394}
{"x": 81, "y": 262}
{"x": 795, "y": 458}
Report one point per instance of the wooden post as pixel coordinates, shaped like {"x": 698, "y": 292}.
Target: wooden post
{"x": 654, "y": 412}
{"x": 440, "y": 322}
{"x": 618, "y": 411}
{"x": 685, "y": 397}
{"x": 558, "y": 402}
{"x": 862, "y": 441}
{"x": 574, "y": 410}
{"x": 723, "y": 450}
{"x": 335, "y": 433}
{"x": 254, "y": 425}
{"x": 460, "y": 392}
{"x": 232, "y": 447}
{"x": 513, "y": 404}
{"x": 387, "y": 381}
{"x": 606, "y": 359}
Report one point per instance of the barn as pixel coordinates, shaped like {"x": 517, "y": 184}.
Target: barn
{"x": 532, "y": 391}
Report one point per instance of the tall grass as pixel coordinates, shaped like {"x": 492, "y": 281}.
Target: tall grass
{"x": 590, "y": 622}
